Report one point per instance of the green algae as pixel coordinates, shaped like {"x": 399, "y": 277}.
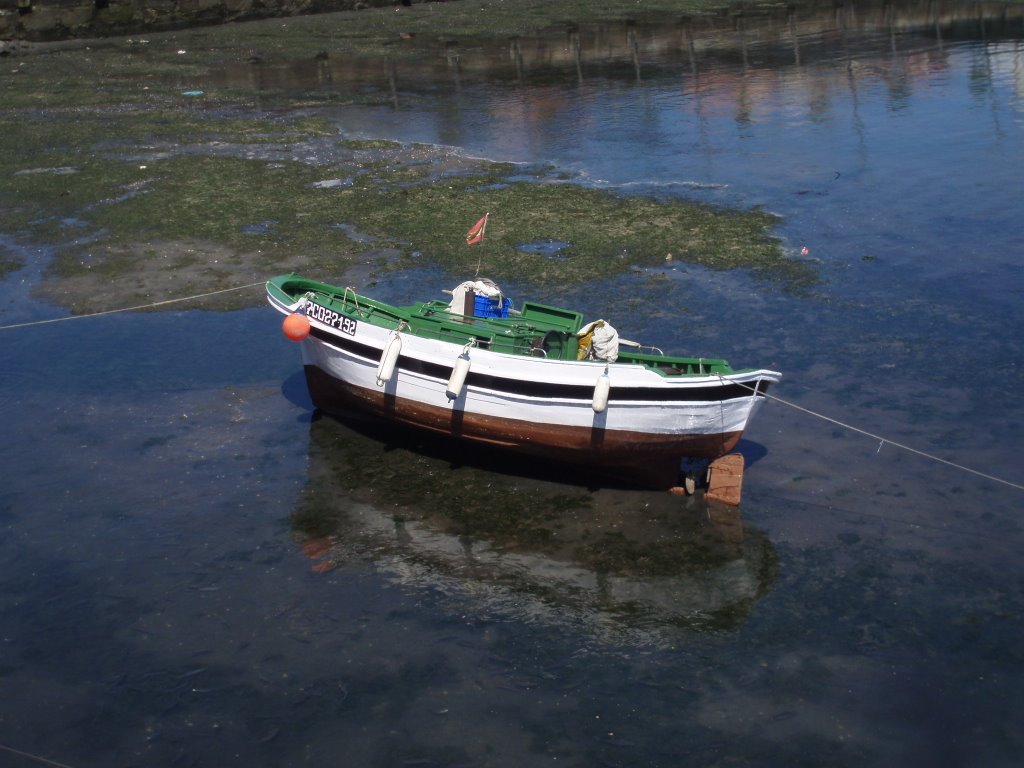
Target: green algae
{"x": 107, "y": 157}
{"x": 275, "y": 211}
{"x": 605, "y": 232}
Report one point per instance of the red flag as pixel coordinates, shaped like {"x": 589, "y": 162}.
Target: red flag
{"x": 476, "y": 232}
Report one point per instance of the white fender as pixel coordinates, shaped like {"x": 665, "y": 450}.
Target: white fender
{"x": 389, "y": 358}
{"x": 457, "y": 382}
{"x": 601, "y": 390}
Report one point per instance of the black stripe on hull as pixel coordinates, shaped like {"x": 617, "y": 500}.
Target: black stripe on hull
{"x": 652, "y": 460}
{"x": 441, "y": 373}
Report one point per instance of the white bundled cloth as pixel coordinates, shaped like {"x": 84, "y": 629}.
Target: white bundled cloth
{"x": 483, "y": 287}
{"x": 598, "y": 341}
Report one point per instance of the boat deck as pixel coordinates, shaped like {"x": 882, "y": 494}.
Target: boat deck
{"x": 535, "y": 330}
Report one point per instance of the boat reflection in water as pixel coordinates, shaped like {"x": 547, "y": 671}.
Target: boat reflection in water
{"x": 535, "y": 544}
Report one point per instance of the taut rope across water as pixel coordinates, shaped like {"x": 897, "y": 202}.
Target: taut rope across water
{"x": 886, "y": 441}
{"x": 128, "y": 309}
{"x": 881, "y": 440}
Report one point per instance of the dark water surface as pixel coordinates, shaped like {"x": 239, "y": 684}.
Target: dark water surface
{"x": 195, "y": 571}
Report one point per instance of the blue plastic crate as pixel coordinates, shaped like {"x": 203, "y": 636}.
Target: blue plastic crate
{"x": 487, "y": 307}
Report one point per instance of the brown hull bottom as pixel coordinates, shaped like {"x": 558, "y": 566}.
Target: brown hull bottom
{"x": 649, "y": 460}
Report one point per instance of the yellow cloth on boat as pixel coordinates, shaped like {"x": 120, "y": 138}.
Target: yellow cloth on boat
{"x": 585, "y": 340}
{"x": 597, "y": 341}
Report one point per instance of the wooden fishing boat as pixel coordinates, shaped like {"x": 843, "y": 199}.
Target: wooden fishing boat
{"x": 534, "y": 379}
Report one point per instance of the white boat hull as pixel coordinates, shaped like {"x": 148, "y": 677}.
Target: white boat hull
{"x": 539, "y": 406}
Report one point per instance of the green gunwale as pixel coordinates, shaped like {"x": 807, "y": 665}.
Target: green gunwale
{"x": 525, "y": 331}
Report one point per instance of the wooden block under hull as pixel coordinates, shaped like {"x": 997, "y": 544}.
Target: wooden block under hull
{"x": 725, "y": 479}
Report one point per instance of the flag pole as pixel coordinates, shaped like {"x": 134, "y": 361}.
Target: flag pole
{"x": 475, "y": 235}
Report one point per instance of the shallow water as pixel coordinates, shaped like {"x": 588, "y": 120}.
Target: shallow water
{"x": 196, "y": 571}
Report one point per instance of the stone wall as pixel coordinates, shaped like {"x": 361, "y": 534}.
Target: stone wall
{"x": 49, "y": 20}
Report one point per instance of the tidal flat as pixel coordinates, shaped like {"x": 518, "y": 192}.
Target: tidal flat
{"x": 153, "y": 175}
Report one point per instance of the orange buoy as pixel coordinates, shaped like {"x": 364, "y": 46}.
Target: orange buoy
{"x": 296, "y": 326}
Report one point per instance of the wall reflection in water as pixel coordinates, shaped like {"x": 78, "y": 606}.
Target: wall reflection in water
{"x": 747, "y": 39}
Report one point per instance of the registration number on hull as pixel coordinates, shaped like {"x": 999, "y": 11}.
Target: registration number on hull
{"x": 334, "y": 319}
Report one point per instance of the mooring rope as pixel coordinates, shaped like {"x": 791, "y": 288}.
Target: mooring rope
{"x": 881, "y": 440}
{"x": 37, "y": 758}
{"x": 129, "y": 309}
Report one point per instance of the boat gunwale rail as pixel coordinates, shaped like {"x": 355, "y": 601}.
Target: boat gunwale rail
{"x": 514, "y": 335}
